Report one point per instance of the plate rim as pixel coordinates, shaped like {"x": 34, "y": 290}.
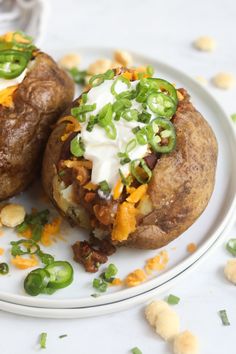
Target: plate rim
{"x": 162, "y": 278}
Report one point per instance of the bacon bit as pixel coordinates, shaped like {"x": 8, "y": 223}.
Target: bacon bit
{"x": 118, "y": 189}
{"x": 116, "y": 282}
{"x": 75, "y": 164}
{"x": 135, "y": 278}
{"x": 125, "y": 222}
{"x": 89, "y": 197}
{"x": 24, "y": 263}
{"x": 1, "y": 251}
{"x": 127, "y": 75}
{"x": 6, "y": 98}
{"x": 157, "y": 263}
{"x": 91, "y": 186}
{"x": 137, "y": 194}
{"x": 180, "y": 96}
{"x": 50, "y": 230}
{"x": 192, "y": 247}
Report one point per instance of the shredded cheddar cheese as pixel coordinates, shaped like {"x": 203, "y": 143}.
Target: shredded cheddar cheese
{"x": 116, "y": 282}
{"x": 192, "y": 247}
{"x": 135, "y": 278}
{"x": 118, "y": 189}
{"x": 125, "y": 222}
{"x": 50, "y": 230}
{"x": 76, "y": 164}
{"x": 91, "y": 186}
{"x": 6, "y": 96}
{"x": 127, "y": 75}
{"x": 157, "y": 263}
{"x": 1, "y": 251}
{"x": 137, "y": 194}
{"x": 24, "y": 263}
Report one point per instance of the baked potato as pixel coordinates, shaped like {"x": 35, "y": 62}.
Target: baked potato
{"x": 34, "y": 91}
{"x": 136, "y": 174}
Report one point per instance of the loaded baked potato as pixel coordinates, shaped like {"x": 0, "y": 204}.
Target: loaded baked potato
{"x": 33, "y": 92}
{"x": 132, "y": 160}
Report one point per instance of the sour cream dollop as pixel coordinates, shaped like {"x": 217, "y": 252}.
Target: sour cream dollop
{"x": 99, "y": 148}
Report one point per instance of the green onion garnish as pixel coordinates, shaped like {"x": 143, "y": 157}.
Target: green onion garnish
{"x": 105, "y": 115}
{"x": 111, "y": 131}
{"x": 78, "y": 76}
{"x": 150, "y": 70}
{"x": 104, "y": 186}
{"x": 110, "y": 272}
{"x": 91, "y": 123}
{"x": 130, "y": 114}
{"x": 126, "y": 181}
{"x": 96, "y": 80}
{"x": 131, "y": 145}
{"x": 77, "y": 147}
{"x": 231, "y": 246}
{"x": 224, "y": 317}
{"x": 233, "y": 117}
{"x": 84, "y": 97}
{"x": 78, "y": 112}
{"x": 122, "y": 79}
{"x": 173, "y": 300}
{"x": 100, "y": 285}
{"x": 136, "y": 350}
{"x": 136, "y": 164}
{"x": 63, "y": 336}
{"x": 43, "y": 340}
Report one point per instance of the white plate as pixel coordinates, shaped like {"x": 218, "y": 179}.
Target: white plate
{"x": 205, "y": 231}
{"x": 117, "y": 306}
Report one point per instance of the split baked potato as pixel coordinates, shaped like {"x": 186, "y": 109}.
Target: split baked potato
{"x": 160, "y": 194}
{"x": 34, "y": 91}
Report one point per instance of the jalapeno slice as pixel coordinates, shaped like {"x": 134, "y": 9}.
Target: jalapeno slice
{"x": 163, "y": 86}
{"x": 61, "y": 274}
{"x": 161, "y": 104}
{"x": 12, "y": 63}
{"x": 163, "y": 130}
{"x": 4, "y": 268}
{"x": 36, "y": 281}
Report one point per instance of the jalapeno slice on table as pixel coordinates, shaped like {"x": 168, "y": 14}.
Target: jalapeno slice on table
{"x": 164, "y": 136}
{"x": 36, "y": 281}
{"x": 12, "y": 63}
{"x": 4, "y": 268}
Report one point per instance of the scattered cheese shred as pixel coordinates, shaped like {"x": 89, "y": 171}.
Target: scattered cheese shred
{"x": 50, "y": 230}
{"x": 6, "y": 96}
{"x": 24, "y": 263}
{"x": 1, "y": 251}
{"x": 157, "y": 263}
{"x": 137, "y": 194}
{"x": 118, "y": 189}
{"x": 192, "y": 247}
{"x": 116, "y": 282}
{"x": 125, "y": 222}
{"x": 91, "y": 186}
{"x": 135, "y": 278}
{"x": 127, "y": 75}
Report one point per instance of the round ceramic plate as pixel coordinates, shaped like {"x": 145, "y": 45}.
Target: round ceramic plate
{"x": 204, "y": 232}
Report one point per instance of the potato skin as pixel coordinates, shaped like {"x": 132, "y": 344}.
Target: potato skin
{"x": 182, "y": 181}
{"x": 43, "y": 95}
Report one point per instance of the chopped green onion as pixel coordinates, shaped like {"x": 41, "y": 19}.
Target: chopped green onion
{"x": 131, "y": 145}
{"x": 43, "y": 340}
{"x": 136, "y": 163}
{"x": 110, "y": 272}
{"x": 100, "y": 285}
{"x": 135, "y": 130}
{"x": 233, "y": 117}
{"x": 77, "y": 147}
{"x": 224, "y": 317}
{"x": 104, "y": 186}
{"x": 105, "y": 115}
{"x": 24, "y": 246}
{"x": 136, "y": 350}
{"x": 37, "y": 232}
{"x": 84, "y": 97}
{"x": 96, "y": 80}
{"x": 126, "y": 181}
{"x": 91, "y": 123}
{"x": 4, "y": 268}
{"x": 122, "y": 79}
{"x": 150, "y": 70}
{"x": 63, "y": 336}
{"x": 231, "y": 246}
{"x": 144, "y": 117}
{"x": 111, "y": 131}
{"x": 78, "y": 76}
{"x": 173, "y": 300}
{"x": 79, "y": 112}
{"x": 95, "y": 295}
{"x": 130, "y": 114}
{"x": 109, "y": 74}
{"x": 141, "y": 136}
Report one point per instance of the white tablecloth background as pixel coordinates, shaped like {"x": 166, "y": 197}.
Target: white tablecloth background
{"x": 165, "y": 30}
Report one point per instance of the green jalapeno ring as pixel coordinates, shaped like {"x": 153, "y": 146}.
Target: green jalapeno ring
{"x": 17, "y": 63}
{"x": 61, "y": 274}
{"x": 36, "y": 281}
{"x": 165, "y": 124}
{"x": 161, "y": 104}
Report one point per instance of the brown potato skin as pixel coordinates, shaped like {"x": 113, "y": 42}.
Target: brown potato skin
{"x": 43, "y": 95}
{"x": 182, "y": 181}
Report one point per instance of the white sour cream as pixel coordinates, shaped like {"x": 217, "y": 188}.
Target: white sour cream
{"x": 102, "y": 150}
{"x": 16, "y": 81}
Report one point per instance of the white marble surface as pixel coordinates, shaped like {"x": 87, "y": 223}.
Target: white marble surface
{"x": 164, "y": 30}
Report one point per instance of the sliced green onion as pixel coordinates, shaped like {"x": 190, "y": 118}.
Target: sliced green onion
{"x": 231, "y": 246}
{"x": 144, "y": 166}
{"x": 77, "y": 147}
{"x": 125, "y": 180}
{"x": 173, "y": 300}
{"x": 130, "y": 146}
{"x": 43, "y": 340}
{"x": 109, "y": 74}
{"x": 24, "y": 246}
{"x": 150, "y": 70}
{"x": 79, "y": 112}
{"x": 144, "y": 117}
{"x": 110, "y": 272}
{"x": 105, "y": 115}
{"x": 100, "y": 285}
{"x": 130, "y": 95}
{"x": 233, "y": 117}
{"x": 104, "y": 186}
{"x": 91, "y": 123}
{"x": 84, "y": 97}
{"x": 224, "y": 317}
{"x": 130, "y": 114}
{"x": 136, "y": 350}
{"x": 4, "y": 268}
{"x": 45, "y": 258}
{"x": 111, "y": 131}
{"x": 63, "y": 336}
{"x": 78, "y": 76}
{"x": 96, "y": 80}
{"x": 135, "y": 130}
{"x": 122, "y": 79}
{"x": 141, "y": 136}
